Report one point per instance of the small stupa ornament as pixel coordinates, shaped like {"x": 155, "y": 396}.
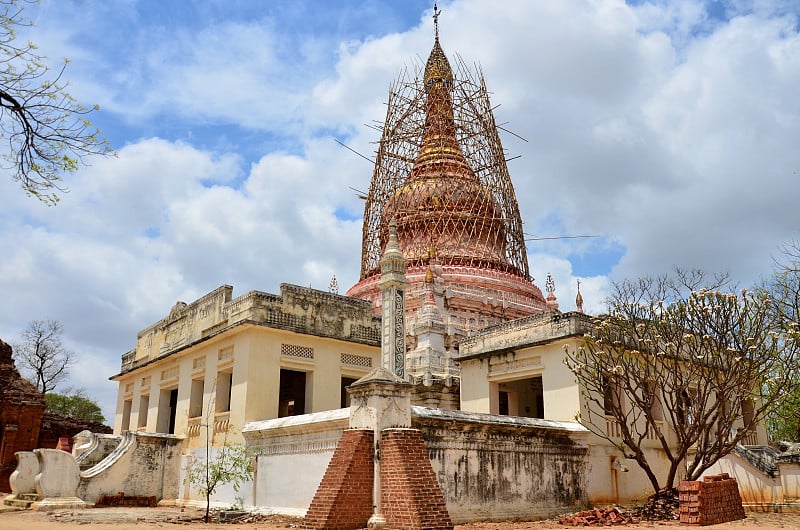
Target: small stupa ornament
{"x": 550, "y": 286}
{"x": 392, "y": 284}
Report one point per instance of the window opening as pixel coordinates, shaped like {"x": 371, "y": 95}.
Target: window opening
{"x": 223, "y": 397}
{"x": 748, "y": 413}
{"x": 196, "y": 398}
{"x": 346, "y": 381}
{"x": 502, "y": 403}
{"x": 292, "y": 394}
{"x": 126, "y": 415}
{"x": 167, "y": 404}
{"x": 144, "y": 404}
{"x": 523, "y": 397}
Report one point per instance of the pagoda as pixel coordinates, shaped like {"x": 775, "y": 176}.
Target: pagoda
{"x": 440, "y": 174}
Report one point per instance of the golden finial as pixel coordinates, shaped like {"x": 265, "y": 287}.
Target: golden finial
{"x": 579, "y": 299}
{"x": 436, "y": 14}
{"x": 429, "y": 275}
{"x": 438, "y": 67}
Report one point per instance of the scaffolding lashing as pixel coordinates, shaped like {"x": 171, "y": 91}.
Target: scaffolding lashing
{"x": 440, "y": 170}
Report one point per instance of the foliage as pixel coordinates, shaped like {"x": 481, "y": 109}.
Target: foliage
{"x": 687, "y": 369}
{"x": 76, "y": 405}
{"x": 46, "y": 129}
{"x": 231, "y": 464}
{"x": 783, "y": 423}
{"x": 41, "y": 356}
{"x": 784, "y": 287}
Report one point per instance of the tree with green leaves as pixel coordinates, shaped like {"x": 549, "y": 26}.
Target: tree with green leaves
{"x": 230, "y": 464}
{"x": 783, "y": 423}
{"x": 45, "y": 130}
{"x": 76, "y": 405}
{"x": 687, "y": 369}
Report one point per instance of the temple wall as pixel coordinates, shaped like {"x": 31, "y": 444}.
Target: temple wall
{"x": 612, "y": 479}
{"x": 790, "y": 481}
{"x": 142, "y": 465}
{"x": 760, "y": 490}
{"x": 297, "y": 309}
{"x": 177, "y": 379}
{"x": 489, "y": 467}
{"x": 498, "y": 468}
{"x": 291, "y": 456}
{"x": 483, "y": 377}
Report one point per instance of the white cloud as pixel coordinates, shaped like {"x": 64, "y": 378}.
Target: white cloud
{"x": 671, "y": 134}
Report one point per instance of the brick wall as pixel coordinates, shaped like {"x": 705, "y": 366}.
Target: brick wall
{"x": 343, "y": 500}
{"x": 21, "y": 408}
{"x": 122, "y": 500}
{"x": 19, "y": 431}
{"x": 410, "y": 494}
{"x": 713, "y": 500}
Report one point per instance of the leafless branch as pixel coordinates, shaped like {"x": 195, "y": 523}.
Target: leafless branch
{"x": 42, "y": 356}
{"x": 693, "y": 373}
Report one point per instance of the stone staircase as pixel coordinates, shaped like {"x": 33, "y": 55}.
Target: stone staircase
{"x": 22, "y": 501}
{"x": 763, "y": 457}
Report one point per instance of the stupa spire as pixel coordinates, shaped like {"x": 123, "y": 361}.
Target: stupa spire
{"x": 442, "y": 201}
{"x": 436, "y": 13}
{"x": 440, "y": 173}
{"x": 437, "y": 69}
{"x": 439, "y": 140}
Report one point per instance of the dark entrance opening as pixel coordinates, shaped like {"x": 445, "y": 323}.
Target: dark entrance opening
{"x": 346, "y": 381}
{"x": 292, "y": 396}
{"x": 173, "y": 406}
{"x": 524, "y": 397}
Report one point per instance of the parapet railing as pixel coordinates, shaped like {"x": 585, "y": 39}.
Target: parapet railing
{"x": 193, "y": 429}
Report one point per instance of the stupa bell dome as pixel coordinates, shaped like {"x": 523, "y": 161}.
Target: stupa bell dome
{"x": 441, "y": 176}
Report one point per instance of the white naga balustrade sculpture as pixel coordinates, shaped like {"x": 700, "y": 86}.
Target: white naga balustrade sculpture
{"x": 57, "y": 481}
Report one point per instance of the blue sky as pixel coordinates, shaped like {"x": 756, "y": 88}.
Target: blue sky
{"x": 669, "y": 129}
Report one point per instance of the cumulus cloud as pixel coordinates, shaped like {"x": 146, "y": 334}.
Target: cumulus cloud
{"x": 666, "y": 128}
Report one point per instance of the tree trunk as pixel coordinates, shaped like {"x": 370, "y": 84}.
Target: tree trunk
{"x": 642, "y": 461}
{"x": 673, "y": 470}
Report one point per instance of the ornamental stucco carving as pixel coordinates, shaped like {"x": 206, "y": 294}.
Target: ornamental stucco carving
{"x": 298, "y": 309}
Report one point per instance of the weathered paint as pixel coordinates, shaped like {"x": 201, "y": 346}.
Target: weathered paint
{"x": 489, "y": 467}
{"x": 496, "y": 467}
{"x": 141, "y": 465}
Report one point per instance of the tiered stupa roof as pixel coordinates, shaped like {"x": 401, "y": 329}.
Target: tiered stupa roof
{"x": 453, "y": 204}
{"x": 442, "y": 206}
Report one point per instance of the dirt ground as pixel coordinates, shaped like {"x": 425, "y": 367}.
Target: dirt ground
{"x": 176, "y": 518}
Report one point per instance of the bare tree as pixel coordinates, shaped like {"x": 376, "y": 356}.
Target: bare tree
{"x": 42, "y": 356}
{"x": 784, "y": 285}
{"x": 46, "y": 129}
{"x": 691, "y": 371}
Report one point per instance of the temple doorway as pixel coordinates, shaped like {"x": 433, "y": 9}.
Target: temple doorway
{"x": 292, "y": 397}
{"x": 523, "y": 397}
